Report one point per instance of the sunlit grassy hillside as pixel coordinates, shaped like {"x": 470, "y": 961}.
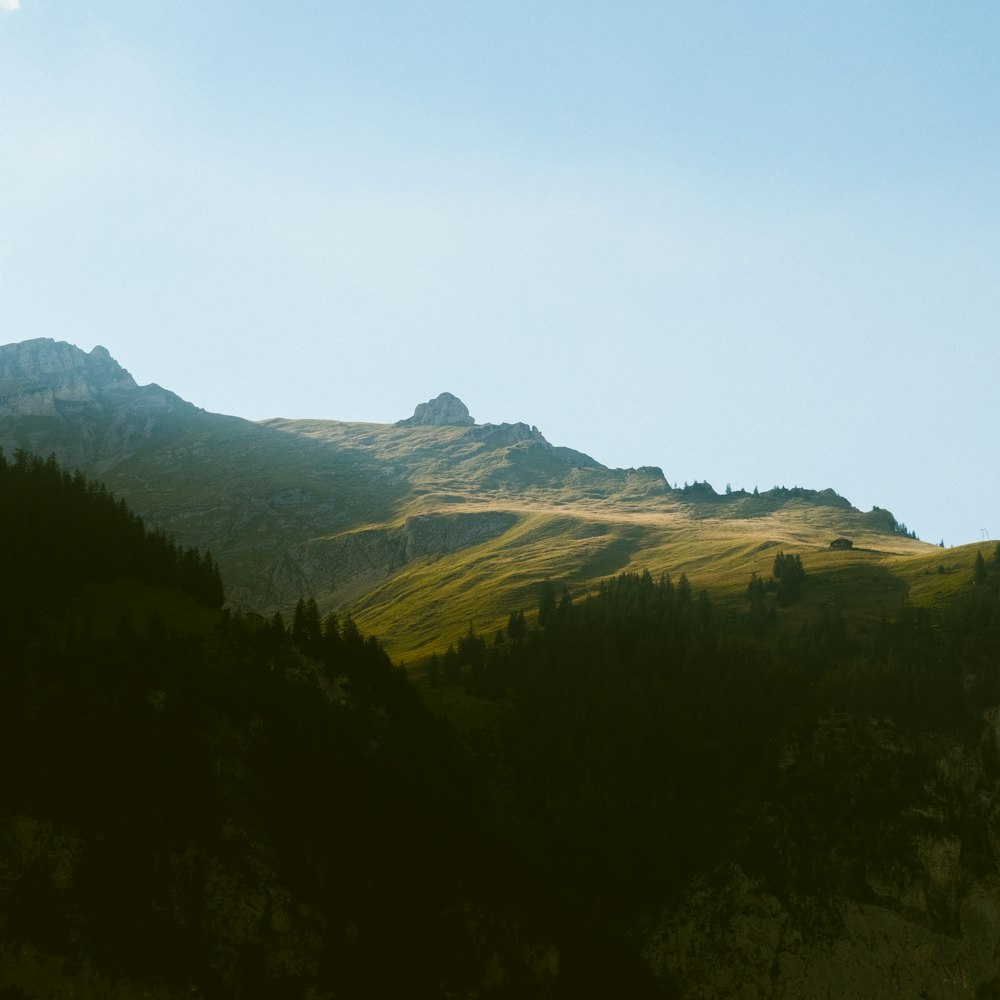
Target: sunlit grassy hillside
{"x": 507, "y": 511}
{"x": 422, "y": 531}
{"x": 432, "y": 601}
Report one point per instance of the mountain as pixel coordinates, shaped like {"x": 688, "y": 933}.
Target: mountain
{"x": 421, "y": 526}
{"x": 87, "y": 403}
{"x": 786, "y": 788}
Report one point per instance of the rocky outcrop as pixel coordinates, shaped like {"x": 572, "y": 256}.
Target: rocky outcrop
{"x": 445, "y": 410}
{"x": 38, "y": 377}
{"x": 501, "y": 435}
{"x": 350, "y": 564}
{"x": 94, "y": 412}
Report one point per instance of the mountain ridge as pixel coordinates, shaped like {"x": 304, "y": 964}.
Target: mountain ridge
{"x": 344, "y": 511}
{"x": 45, "y": 377}
{"x": 52, "y": 377}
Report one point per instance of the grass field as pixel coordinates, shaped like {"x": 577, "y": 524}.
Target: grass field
{"x": 432, "y": 602}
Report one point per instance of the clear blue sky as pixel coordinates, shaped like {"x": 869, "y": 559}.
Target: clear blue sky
{"x": 749, "y": 242}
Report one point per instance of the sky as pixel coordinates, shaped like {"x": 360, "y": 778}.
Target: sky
{"x": 752, "y": 242}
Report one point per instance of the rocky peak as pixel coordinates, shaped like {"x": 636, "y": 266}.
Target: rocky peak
{"x": 38, "y": 376}
{"x": 445, "y": 410}
{"x": 94, "y": 412}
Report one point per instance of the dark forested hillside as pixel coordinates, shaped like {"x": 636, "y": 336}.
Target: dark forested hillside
{"x": 61, "y": 532}
{"x": 246, "y": 811}
{"x": 652, "y": 742}
{"x": 661, "y": 797}
{"x": 228, "y": 815}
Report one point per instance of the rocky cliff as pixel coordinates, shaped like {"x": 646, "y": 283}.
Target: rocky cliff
{"x": 48, "y": 378}
{"x": 445, "y": 410}
{"x": 82, "y": 406}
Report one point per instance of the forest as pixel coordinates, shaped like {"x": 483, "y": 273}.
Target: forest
{"x": 241, "y": 807}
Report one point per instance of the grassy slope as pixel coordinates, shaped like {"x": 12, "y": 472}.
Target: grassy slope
{"x": 432, "y": 602}
{"x": 286, "y": 505}
{"x": 576, "y": 526}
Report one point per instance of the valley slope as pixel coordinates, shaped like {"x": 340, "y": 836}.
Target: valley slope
{"x": 422, "y": 527}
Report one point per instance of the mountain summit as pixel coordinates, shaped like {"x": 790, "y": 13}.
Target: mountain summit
{"x": 41, "y": 377}
{"x": 445, "y": 410}
{"x": 50, "y": 378}
{"x": 83, "y": 406}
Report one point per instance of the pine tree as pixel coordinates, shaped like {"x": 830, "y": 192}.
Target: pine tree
{"x": 546, "y": 604}
{"x": 517, "y": 627}
{"x": 790, "y": 575}
{"x": 307, "y": 629}
{"x": 451, "y": 667}
{"x": 434, "y": 670}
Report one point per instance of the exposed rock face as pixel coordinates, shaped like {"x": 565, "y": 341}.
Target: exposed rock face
{"x": 37, "y": 376}
{"x": 354, "y": 562}
{"x": 500, "y": 435}
{"x": 445, "y": 410}
{"x": 94, "y": 411}
{"x": 49, "y": 378}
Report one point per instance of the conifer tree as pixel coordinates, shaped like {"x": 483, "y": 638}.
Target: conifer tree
{"x": 546, "y": 604}
{"x": 516, "y": 626}
{"x": 790, "y": 575}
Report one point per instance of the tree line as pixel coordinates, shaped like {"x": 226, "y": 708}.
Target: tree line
{"x": 62, "y": 530}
